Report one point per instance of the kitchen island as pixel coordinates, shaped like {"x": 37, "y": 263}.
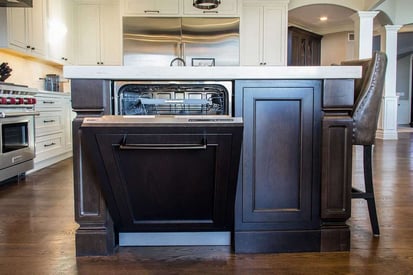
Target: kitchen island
{"x": 294, "y": 182}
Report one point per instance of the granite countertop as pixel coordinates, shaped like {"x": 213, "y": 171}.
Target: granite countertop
{"x": 211, "y": 73}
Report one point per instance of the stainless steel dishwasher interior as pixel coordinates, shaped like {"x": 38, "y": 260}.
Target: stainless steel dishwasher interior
{"x": 172, "y": 98}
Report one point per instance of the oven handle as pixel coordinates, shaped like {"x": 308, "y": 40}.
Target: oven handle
{"x": 124, "y": 146}
{"x": 17, "y": 114}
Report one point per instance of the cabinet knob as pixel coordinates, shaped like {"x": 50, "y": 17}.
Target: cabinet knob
{"x": 28, "y": 46}
{"x": 33, "y": 48}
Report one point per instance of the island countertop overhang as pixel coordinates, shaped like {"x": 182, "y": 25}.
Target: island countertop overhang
{"x": 214, "y": 73}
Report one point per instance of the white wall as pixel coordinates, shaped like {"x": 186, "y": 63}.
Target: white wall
{"x": 403, "y": 89}
{"x": 27, "y": 71}
{"x": 335, "y": 48}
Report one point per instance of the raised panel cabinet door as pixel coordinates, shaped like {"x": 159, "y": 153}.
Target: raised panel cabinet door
{"x": 111, "y": 35}
{"x": 279, "y": 186}
{"x": 16, "y": 20}
{"x": 274, "y": 35}
{"x": 60, "y": 31}
{"x": 36, "y": 28}
{"x": 88, "y": 34}
{"x": 251, "y": 35}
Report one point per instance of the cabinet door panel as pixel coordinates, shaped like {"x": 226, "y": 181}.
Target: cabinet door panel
{"x": 274, "y": 36}
{"x": 17, "y": 24}
{"x": 88, "y": 40}
{"x": 111, "y": 53}
{"x": 251, "y": 25}
{"x": 36, "y": 28}
{"x": 279, "y": 165}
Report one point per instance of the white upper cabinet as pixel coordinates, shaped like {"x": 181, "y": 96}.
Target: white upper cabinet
{"x": 263, "y": 34}
{"x": 151, "y": 7}
{"x": 60, "y": 31}
{"x": 226, "y": 8}
{"x": 26, "y": 29}
{"x": 99, "y": 37}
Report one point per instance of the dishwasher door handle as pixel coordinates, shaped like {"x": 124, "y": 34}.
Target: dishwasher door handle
{"x": 167, "y": 146}
{"x": 163, "y": 146}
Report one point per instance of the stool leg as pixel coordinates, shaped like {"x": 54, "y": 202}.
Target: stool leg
{"x": 368, "y": 181}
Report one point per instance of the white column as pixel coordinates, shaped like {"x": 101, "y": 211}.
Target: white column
{"x": 387, "y": 127}
{"x": 363, "y": 33}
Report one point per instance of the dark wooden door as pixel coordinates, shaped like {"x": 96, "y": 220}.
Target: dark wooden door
{"x": 304, "y": 48}
{"x": 280, "y": 173}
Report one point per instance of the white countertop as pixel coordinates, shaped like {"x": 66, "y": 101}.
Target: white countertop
{"x": 211, "y": 73}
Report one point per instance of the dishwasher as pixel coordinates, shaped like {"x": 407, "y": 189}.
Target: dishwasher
{"x": 167, "y": 159}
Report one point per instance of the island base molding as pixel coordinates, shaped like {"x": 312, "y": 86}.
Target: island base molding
{"x": 95, "y": 241}
{"x": 324, "y": 240}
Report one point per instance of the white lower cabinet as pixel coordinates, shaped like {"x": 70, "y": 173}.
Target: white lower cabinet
{"x": 53, "y": 139}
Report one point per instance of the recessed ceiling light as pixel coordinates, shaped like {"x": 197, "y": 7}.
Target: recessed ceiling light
{"x": 323, "y": 18}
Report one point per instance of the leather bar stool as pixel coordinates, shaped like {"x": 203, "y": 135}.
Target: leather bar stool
{"x": 368, "y": 96}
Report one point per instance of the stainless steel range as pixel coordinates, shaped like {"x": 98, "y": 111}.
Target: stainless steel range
{"x": 16, "y": 130}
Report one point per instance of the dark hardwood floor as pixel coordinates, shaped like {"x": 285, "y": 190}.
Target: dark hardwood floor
{"x": 37, "y": 231}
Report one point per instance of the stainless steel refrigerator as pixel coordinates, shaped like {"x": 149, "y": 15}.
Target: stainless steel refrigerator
{"x": 157, "y": 41}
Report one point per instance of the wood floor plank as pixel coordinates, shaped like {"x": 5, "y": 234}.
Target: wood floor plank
{"x": 37, "y": 231}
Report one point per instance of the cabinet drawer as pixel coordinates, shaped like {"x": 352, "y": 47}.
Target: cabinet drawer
{"x": 48, "y": 103}
{"x": 48, "y": 122}
{"x": 227, "y": 7}
{"x": 49, "y": 146}
{"x": 151, "y": 7}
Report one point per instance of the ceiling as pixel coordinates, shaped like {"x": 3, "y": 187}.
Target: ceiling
{"x": 339, "y": 20}
{"x": 308, "y": 17}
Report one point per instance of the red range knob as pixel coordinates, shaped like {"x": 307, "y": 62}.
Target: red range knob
{"x": 19, "y": 100}
{"x": 33, "y": 101}
{"x": 11, "y": 100}
{"x": 3, "y": 100}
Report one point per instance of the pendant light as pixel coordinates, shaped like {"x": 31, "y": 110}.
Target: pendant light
{"x": 206, "y": 4}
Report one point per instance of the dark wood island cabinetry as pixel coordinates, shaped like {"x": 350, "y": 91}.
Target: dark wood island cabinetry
{"x": 294, "y": 182}
{"x": 279, "y": 187}
{"x": 288, "y": 140}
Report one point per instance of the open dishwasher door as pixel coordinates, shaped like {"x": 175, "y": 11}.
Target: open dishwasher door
{"x": 166, "y": 174}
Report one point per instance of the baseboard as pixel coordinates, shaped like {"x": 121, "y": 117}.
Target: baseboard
{"x": 386, "y": 134}
{"x": 38, "y": 165}
{"x": 277, "y": 241}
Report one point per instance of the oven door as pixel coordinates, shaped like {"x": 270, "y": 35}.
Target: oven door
{"x": 16, "y": 140}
